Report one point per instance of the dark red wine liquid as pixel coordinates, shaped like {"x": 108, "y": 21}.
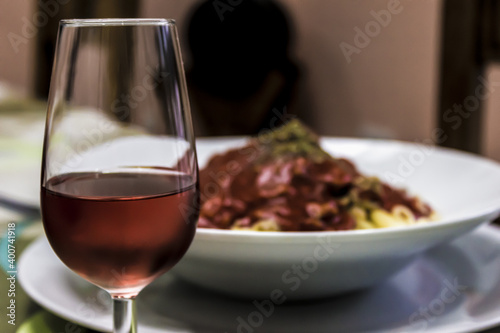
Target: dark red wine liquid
{"x": 120, "y": 230}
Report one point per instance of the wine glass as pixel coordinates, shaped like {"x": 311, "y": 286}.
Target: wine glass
{"x": 119, "y": 185}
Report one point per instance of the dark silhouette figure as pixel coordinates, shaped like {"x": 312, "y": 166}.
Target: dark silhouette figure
{"x": 241, "y": 79}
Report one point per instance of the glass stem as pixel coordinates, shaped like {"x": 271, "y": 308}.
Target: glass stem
{"x": 124, "y": 318}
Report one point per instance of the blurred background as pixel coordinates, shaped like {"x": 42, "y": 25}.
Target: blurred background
{"x": 363, "y": 68}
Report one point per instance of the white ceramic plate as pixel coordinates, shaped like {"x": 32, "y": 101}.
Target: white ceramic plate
{"x": 463, "y": 188}
{"x": 452, "y": 288}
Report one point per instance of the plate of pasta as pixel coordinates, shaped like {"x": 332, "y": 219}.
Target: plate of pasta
{"x": 289, "y": 214}
{"x": 286, "y": 181}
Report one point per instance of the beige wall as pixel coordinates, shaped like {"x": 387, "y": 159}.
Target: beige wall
{"x": 388, "y": 89}
{"x": 15, "y": 67}
{"x": 491, "y": 138}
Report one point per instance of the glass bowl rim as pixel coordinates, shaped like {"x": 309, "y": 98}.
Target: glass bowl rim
{"x": 93, "y": 22}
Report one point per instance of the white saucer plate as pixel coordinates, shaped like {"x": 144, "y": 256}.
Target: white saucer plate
{"x": 452, "y": 288}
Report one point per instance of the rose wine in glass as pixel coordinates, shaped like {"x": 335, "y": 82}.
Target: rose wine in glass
{"x": 119, "y": 190}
